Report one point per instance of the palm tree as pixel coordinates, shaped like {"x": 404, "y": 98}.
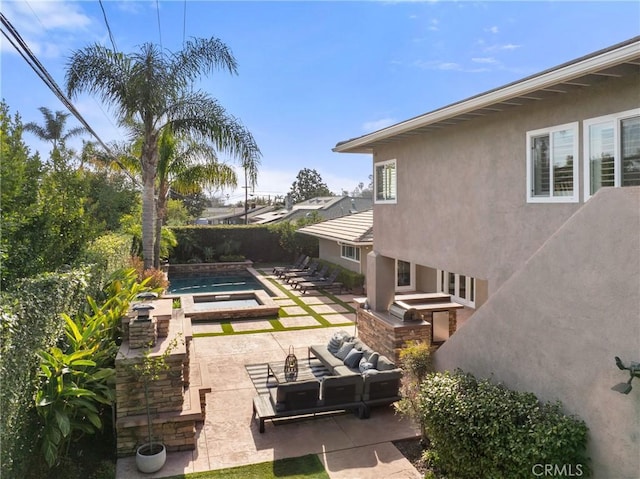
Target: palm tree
{"x": 151, "y": 90}
{"x": 184, "y": 167}
{"x": 54, "y": 127}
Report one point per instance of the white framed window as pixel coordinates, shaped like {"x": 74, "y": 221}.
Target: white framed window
{"x": 552, "y": 172}
{"x": 385, "y": 181}
{"x": 612, "y": 151}
{"x": 350, "y": 252}
{"x": 462, "y": 288}
{"x": 405, "y": 276}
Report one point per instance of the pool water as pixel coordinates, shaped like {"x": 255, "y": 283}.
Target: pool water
{"x": 213, "y": 284}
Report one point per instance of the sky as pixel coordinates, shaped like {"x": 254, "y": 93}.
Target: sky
{"x": 313, "y": 73}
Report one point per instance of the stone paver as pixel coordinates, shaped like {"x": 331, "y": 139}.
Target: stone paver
{"x": 251, "y": 325}
{"x": 340, "y": 318}
{"x": 316, "y": 299}
{"x": 294, "y": 310}
{"x": 206, "y": 328}
{"x": 329, "y": 308}
{"x": 296, "y": 321}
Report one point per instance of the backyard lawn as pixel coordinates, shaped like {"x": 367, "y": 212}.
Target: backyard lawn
{"x": 305, "y": 467}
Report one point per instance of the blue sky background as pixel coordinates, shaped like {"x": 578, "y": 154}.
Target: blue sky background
{"x": 314, "y": 73}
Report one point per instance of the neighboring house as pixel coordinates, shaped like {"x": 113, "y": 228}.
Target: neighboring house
{"x": 345, "y": 241}
{"x": 510, "y": 201}
{"x": 326, "y": 207}
{"x": 234, "y": 215}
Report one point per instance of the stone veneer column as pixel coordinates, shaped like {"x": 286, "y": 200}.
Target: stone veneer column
{"x": 142, "y": 333}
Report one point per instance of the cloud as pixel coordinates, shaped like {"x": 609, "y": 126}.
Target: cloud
{"x": 493, "y": 29}
{"x": 47, "y": 27}
{"x": 447, "y": 66}
{"x": 375, "y": 125}
{"x": 486, "y": 60}
{"x": 507, "y": 46}
{"x": 433, "y": 25}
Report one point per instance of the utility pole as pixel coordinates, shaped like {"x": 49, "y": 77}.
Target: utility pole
{"x": 246, "y": 197}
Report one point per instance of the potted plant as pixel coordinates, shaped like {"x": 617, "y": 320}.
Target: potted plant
{"x": 151, "y": 456}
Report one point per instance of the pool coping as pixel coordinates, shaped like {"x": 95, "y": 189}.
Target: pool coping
{"x": 267, "y": 307}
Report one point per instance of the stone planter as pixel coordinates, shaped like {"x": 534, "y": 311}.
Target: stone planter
{"x": 151, "y": 457}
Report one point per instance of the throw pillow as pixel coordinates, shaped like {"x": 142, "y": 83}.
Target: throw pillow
{"x": 370, "y": 372}
{"x": 373, "y": 359}
{"x": 344, "y": 350}
{"x": 364, "y": 365}
{"x": 384, "y": 364}
{"x": 334, "y": 343}
{"x": 353, "y": 358}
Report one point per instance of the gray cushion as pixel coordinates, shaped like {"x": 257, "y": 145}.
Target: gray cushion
{"x": 365, "y": 365}
{"x": 344, "y": 350}
{"x": 373, "y": 359}
{"x": 334, "y": 344}
{"x": 384, "y": 364}
{"x": 353, "y": 358}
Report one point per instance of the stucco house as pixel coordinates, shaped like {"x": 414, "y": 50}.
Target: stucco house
{"x": 524, "y": 203}
{"x": 345, "y": 241}
{"x": 326, "y": 207}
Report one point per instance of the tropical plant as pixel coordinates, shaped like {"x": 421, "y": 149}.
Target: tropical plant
{"x": 185, "y": 166}
{"x": 152, "y": 90}
{"x": 54, "y": 127}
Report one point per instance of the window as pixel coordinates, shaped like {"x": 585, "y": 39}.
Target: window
{"x": 385, "y": 181}
{"x": 551, "y": 174}
{"x": 612, "y": 151}
{"x": 350, "y": 252}
{"x": 405, "y": 276}
{"x": 461, "y": 288}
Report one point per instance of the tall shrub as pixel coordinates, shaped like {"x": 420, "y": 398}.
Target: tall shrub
{"x": 30, "y": 321}
{"x": 479, "y": 429}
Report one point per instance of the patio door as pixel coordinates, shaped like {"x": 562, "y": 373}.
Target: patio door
{"x": 461, "y": 288}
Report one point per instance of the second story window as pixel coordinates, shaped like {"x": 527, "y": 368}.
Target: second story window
{"x": 552, "y": 173}
{"x": 612, "y": 151}
{"x": 385, "y": 181}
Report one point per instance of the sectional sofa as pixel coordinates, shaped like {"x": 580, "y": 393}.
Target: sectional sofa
{"x": 359, "y": 379}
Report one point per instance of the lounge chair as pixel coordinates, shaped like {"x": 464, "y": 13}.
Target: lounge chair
{"x": 316, "y": 275}
{"x": 296, "y": 264}
{"x": 329, "y": 283}
{"x": 310, "y": 271}
{"x": 304, "y": 265}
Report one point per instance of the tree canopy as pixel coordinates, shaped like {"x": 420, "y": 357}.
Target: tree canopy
{"x": 151, "y": 90}
{"x": 308, "y": 184}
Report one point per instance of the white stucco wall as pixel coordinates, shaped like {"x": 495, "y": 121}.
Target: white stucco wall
{"x": 556, "y": 325}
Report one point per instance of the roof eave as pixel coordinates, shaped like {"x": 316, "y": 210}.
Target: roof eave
{"x": 563, "y": 73}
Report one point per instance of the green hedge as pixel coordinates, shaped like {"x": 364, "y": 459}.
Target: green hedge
{"x": 205, "y": 244}
{"x": 353, "y": 281}
{"x": 479, "y": 429}
{"x": 31, "y": 321}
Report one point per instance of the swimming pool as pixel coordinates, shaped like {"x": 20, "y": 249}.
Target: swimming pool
{"x": 214, "y": 284}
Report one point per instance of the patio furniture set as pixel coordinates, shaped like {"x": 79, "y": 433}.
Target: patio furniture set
{"x": 359, "y": 378}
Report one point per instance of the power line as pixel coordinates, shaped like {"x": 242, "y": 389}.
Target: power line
{"x": 184, "y": 21}
{"x": 25, "y": 52}
{"x": 159, "y": 29}
{"x": 104, "y": 14}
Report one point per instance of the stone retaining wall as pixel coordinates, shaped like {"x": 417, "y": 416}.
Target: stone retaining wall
{"x": 388, "y": 335}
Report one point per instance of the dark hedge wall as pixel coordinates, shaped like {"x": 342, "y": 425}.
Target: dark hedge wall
{"x": 261, "y": 244}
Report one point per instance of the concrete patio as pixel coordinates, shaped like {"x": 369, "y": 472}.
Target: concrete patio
{"x": 347, "y": 446}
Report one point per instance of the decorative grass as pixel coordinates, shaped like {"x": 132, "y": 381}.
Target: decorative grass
{"x": 304, "y": 467}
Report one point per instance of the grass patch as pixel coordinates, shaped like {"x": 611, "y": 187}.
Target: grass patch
{"x": 304, "y": 467}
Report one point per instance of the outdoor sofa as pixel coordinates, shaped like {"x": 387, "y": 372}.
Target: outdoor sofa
{"x": 358, "y": 379}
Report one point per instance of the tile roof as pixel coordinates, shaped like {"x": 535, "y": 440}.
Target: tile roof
{"x": 355, "y": 229}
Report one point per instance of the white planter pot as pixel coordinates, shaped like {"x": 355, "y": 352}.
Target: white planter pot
{"x": 148, "y": 462}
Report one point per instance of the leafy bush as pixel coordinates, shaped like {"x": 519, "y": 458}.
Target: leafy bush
{"x": 479, "y": 429}
{"x": 30, "y": 321}
{"x": 416, "y": 363}
{"x": 110, "y": 252}
{"x": 76, "y": 379}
